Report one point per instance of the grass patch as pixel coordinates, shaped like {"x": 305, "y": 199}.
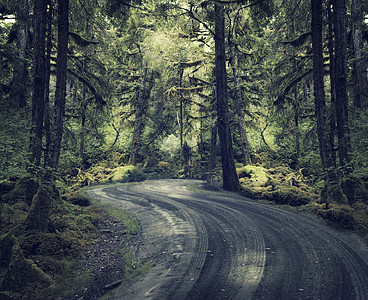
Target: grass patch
{"x": 130, "y": 222}
{"x": 71, "y": 279}
{"x": 136, "y": 265}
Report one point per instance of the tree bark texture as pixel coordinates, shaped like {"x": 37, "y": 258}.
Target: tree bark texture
{"x": 82, "y": 132}
{"x": 18, "y": 91}
{"x": 213, "y": 143}
{"x": 319, "y": 92}
{"x": 331, "y": 53}
{"x": 47, "y": 115}
{"x": 240, "y": 112}
{"x": 138, "y": 118}
{"x": 359, "y": 74}
{"x": 342, "y": 115}
{"x": 61, "y": 77}
{"x": 38, "y": 102}
{"x": 229, "y": 176}
{"x": 181, "y": 122}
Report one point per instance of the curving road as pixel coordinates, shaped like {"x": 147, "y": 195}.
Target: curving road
{"x": 218, "y": 245}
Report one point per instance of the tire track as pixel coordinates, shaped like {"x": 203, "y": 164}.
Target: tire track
{"x": 218, "y": 245}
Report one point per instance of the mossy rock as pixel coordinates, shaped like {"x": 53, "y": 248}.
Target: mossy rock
{"x": 24, "y": 190}
{"x": 23, "y": 276}
{"x": 247, "y": 192}
{"x": 355, "y": 191}
{"x": 333, "y": 193}
{"x": 243, "y": 173}
{"x": 341, "y": 215}
{"x": 256, "y": 175}
{"x": 13, "y": 215}
{"x": 290, "y": 196}
{"x": 50, "y": 244}
{"x": 49, "y": 264}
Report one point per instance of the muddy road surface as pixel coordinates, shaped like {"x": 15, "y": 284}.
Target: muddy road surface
{"x": 218, "y": 245}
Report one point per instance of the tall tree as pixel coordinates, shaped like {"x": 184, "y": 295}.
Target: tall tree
{"x": 342, "y": 114}
{"x": 331, "y": 53}
{"x": 47, "y": 117}
{"x": 229, "y": 176}
{"x": 38, "y": 102}
{"x": 238, "y": 93}
{"x": 318, "y": 77}
{"x": 240, "y": 111}
{"x": 18, "y": 91}
{"x": 138, "y": 117}
{"x": 213, "y": 141}
{"x": 61, "y": 77}
{"x": 360, "y": 80}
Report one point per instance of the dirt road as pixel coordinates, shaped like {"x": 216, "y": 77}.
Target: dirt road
{"x": 218, "y": 245}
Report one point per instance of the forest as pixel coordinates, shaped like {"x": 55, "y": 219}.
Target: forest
{"x": 267, "y": 98}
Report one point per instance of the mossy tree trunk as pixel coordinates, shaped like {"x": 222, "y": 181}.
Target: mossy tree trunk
{"x": 331, "y": 53}
{"x": 229, "y": 177}
{"x": 22, "y": 274}
{"x": 47, "y": 117}
{"x": 38, "y": 101}
{"x": 213, "y": 142}
{"x": 240, "y": 112}
{"x": 18, "y": 90}
{"x": 341, "y": 105}
{"x": 61, "y": 77}
{"x": 319, "y": 92}
{"x": 39, "y": 213}
{"x": 359, "y": 72}
{"x": 138, "y": 118}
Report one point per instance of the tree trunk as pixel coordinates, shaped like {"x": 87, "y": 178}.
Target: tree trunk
{"x": 201, "y": 140}
{"x": 360, "y": 80}
{"x": 47, "y": 115}
{"x": 213, "y": 142}
{"x": 240, "y": 112}
{"x": 61, "y": 77}
{"x": 138, "y": 118}
{"x": 297, "y": 131}
{"x": 229, "y": 177}
{"x": 38, "y": 103}
{"x": 82, "y": 132}
{"x": 39, "y": 212}
{"x": 18, "y": 91}
{"x": 319, "y": 92}
{"x": 342, "y": 115}
{"x": 181, "y": 122}
{"x": 331, "y": 50}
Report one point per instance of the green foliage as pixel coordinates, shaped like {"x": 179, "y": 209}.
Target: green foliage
{"x": 170, "y": 147}
{"x": 130, "y": 222}
{"x": 359, "y": 136}
{"x": 13, "y": 144}
{"x": 135, "y": 266}
{"x": 128, "y": 174}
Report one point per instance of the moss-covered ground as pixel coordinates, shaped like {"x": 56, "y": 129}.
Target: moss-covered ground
{"x": 45, "y": 236}
{"x": 344, "y": 204}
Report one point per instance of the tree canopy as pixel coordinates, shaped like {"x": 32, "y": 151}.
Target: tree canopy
{"x": 140, "y": 83}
